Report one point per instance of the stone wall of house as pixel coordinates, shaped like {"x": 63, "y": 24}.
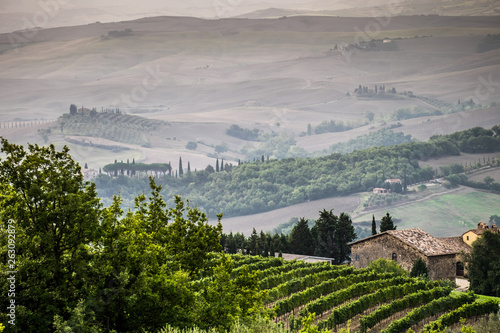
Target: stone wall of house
{"x": 442, "y": 267}
{"x": 384, "y": 246}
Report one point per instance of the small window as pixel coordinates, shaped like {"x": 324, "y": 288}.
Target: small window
{"x": 356, "y": 257}
{"x": 467, "y": 237}
{"x": 394, "y": 257}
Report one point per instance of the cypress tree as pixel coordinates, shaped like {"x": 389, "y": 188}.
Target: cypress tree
{"x": 181, "y": 172}
{"x": 301, "y": 241}
{"x": 374, "y": 226}
{"x": 253, "y": 242}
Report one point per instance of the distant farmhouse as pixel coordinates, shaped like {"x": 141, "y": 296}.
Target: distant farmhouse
{"x": 89, "y": 174}
{"x": 382, "y": 190}
{"x": 443, "y": 256}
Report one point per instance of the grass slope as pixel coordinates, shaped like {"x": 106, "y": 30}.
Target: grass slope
{"x": 444, "y": 215}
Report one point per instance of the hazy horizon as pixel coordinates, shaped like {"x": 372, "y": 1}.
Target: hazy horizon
{"x": 29, "y": 14}
{"x": 55, "y": 13}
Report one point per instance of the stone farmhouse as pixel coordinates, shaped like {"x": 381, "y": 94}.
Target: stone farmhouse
{"x": 442, "y": 255}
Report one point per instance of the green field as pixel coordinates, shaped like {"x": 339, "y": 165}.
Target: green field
{"x": 443, "y": 216}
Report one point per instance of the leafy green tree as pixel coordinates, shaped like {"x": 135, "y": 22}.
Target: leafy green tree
{"x": 386, "y": 223}
{"x": 494, "y": 219}
{"x": 382, "y": 265}
{"x": 484, "y": 264}
{"x": 190, "y": 238}
{"x": 225, "y": 297}
{"x": 301, "y": 241}
{"x": 191, "y": 145}
{"x": 145, "y": 263}
{"x": 488, "y": 181}
{"x": 84, "y": 268}
{"x": 325, "y": 229}
{"x": 370, "y": 115}
{"x": 56, "y": 216}
{"x": 73, "y": 109}
{"x": 333, "y": 235}
{"x": 419, "y": 269}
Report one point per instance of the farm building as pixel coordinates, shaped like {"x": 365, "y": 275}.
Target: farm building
{"x": 394, "y": 181}
{"x": 379, "y": 190}
{"x": 89, "y": 174}
{"x": 472, "y": 235}
{"x": 442, "y": 255}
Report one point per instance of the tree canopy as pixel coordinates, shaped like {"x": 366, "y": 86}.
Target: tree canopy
{"x": 419, "y": 269}
{"x": 484, "y": 264}
{"x": 289, "y": 181}
{"x": 81, "y": 267}
{"x": 301, "y": 240}
{"x": 386, "y": 223}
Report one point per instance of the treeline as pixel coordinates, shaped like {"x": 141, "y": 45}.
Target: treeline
{"x": 137, "y": 169}
{"x": 120, "y": 33}
{"x": 243, "y": 133}
{"x": 415, "y": 112}
{"x": 331, "y": 126}
{"x": 365, "y": 90}
{"x": 477, "y": 140}
{"x": 328, "y": 238}
{"x": 382, "y": 137}
{"x": 487, "y": 184}
{"x": 264, "y": 186}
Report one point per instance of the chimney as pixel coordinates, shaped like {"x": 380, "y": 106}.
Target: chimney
{"x": 482, "y": 226}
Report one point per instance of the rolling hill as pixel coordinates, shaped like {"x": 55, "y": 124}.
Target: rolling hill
{"x": 274, "y": 75}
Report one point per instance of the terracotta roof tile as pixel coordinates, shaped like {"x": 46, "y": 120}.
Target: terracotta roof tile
{"x": 424, "y": 242}
{"x": 457, "y": 243}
